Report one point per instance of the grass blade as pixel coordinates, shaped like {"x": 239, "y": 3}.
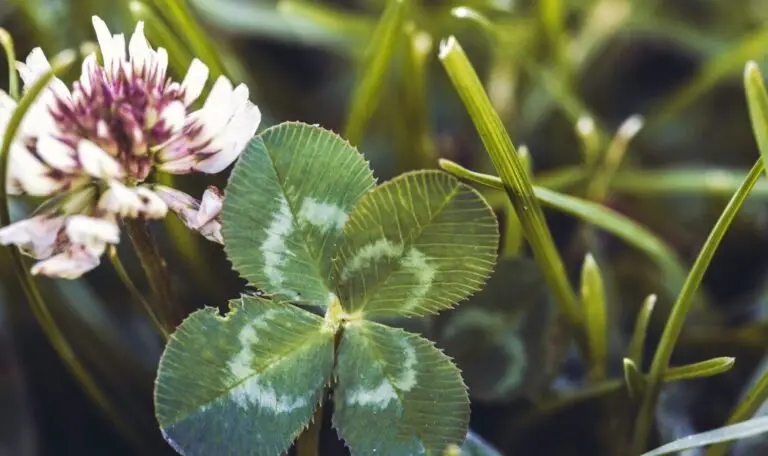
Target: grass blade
{"x": 515, "y": 180}
{"x": 378, "y": 56}
{"x": 749, "y": 428}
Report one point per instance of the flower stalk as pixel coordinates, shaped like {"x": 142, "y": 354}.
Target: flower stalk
{"x": 154, "y": 266}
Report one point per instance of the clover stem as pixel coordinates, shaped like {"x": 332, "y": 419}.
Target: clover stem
{"x": 126, "y": 279}
{"x": 155, "y": 269}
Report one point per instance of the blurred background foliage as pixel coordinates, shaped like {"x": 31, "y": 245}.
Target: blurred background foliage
{"x": 368, "y": 69}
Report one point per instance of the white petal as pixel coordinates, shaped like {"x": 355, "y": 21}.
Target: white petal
{"x": 120, "y": 200}
{"x": 56, "y": 154}
{"x": 88, "y": 69}
{"x": 96, "y": 162}
{"x": 32, "y": 176}
{"x": 35, "y": 66}
{"x": 70, "y": 264}
{"x": 194, "y": 81}
{"x": 161, "y": 63}
{"x": 118, "y": 47}
{"x": 138, "y": 48}
{"x": 35, "y": 236}
{"x": 217, "y": 109}
{"x": 153, "y": 207}
{"x": 91, "y": 232}
{"x": 104, "y": 37}
{"x": 7, "y": 106}
{"x": 237, "y": 134}
{"x": 182, "y": 165}
{"x": 178, "y": 201}
{"x": 174, "y": 116}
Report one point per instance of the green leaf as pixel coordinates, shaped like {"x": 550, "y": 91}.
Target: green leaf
{"x": 396, "y": 393}
{"x": 373, "y": 71}
{"x": 415, "y": 245}
{"x": 743, "y": 430}
{"x": 288, "y": 199}
{"x": 636, "y": 348}
{"x": 701, "y": 369}
{"x": 505, "y": 339}
{"x": 633, "y": 378}
{"x": 595, "y": 316}
{"x": 246, "y": 383}
{"x": 757, "y": 100}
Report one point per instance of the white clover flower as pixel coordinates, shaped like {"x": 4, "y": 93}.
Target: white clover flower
{"x": 91, "y": 149}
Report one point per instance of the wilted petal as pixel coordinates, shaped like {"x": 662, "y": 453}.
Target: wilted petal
{"x": 72, "y": 263}
{"x": 97, "y": 162}
{"x": 202, "y": 217}
{"x": 35, "y": 236}
{"x": 92, "y": 233}
{"x": 152, "y": 206}
{"x": 210, "y": 206}
{"x": 120, "y": 200}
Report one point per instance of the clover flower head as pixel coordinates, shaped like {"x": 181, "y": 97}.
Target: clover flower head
{"x": 91, "y": 148}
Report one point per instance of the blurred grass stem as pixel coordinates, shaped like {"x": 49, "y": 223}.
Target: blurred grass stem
{"x": 155, "y": 269}
{"x": 126, "y": 279}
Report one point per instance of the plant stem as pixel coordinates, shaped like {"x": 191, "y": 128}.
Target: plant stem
{"x": 680, "y": 309}
{"x": 126, "y": 279}
{"x": 35, "y": 299}
{"x": 154, "y": 268}
{"x": 514, "y": 177}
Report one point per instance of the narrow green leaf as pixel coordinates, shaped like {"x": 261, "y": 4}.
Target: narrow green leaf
{"x": 515, "y": 180}
{"x": 378, "y": 55}
{"x": 743, "y": 430}
{"x": 602, "y": 217}
{"x": 701, "y": 369}
{"x": 287, "y": 201}
{"x": 396, "y": 393}
{"x": 595, "y": 316}
{"x": 684, "y": 301}
{"x": 415, "y": 245}
{"x": 246, "y": 383}
{"x": 757, "y": 101}
{"x": 637, "y": 343}
{"x": 633, "y": 378}
{"x": 505, "y": 338}
{"x": 752, "y": 401}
